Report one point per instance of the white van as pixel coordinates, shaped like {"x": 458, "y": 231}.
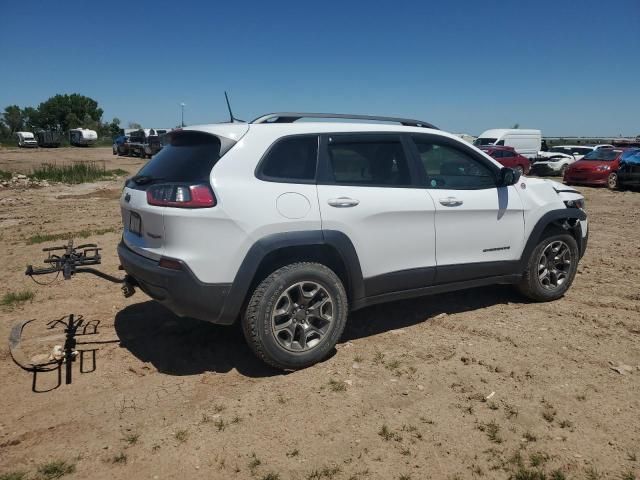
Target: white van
{"x": 26, "y": 140}
{"x": 526, "y": 142}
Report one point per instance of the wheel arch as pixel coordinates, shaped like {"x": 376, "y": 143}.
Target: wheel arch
{"x": 330, "y": 248}
{"x": 563, "y": 219}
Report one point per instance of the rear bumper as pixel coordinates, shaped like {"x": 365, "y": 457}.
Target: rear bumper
{"x": 178, "y": 290}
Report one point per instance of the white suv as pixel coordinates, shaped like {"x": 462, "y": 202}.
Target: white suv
{"x": 289, "y": 225}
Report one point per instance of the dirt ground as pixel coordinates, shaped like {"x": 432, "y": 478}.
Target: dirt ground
{"x": 474, "y": 384}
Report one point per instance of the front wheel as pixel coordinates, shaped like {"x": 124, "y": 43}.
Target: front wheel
{"x": 612, "y": 181}
{"x": 519, "y": 169}
{"x": 551, "y": 268}
{"x": 296, "y": 316}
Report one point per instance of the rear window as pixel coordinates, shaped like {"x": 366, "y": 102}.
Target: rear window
{"x": 292, "y": 158}
{"x": 602, "y": 154}
{"x": 187, "y": 157}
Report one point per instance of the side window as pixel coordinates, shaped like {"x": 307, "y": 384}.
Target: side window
{"x": 501, "y": 143}
{"x": 508, "y": 154}
{"x": 292, "y": 158}
{"x": 368, "y": 162}
{"x": 447, "y": 167}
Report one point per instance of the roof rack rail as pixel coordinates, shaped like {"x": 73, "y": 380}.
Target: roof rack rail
{"x": 290, "y": 117}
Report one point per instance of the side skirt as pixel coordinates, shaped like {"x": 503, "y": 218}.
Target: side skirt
{"x": 434, "y": 289}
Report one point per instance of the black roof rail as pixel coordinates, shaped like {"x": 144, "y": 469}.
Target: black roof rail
{"x": 290, "y": 117}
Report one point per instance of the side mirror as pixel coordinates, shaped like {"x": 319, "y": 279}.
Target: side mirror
{"x": 508, "y": 176}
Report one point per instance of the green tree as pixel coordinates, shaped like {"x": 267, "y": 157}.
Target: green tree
{"x": 62, "y": 112}
{"x": 134, "y": 125}
{"x": 114, "y": 127}
{"x": 12, "y": 117}
{"x": 516, "y": 125}
{"x": 31, "y": 118}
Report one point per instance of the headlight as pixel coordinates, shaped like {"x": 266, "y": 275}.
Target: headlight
{"x": 577, "y": 203}
{"x": 603, "y": 168}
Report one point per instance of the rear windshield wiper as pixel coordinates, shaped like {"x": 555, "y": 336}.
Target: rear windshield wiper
{"x": 144, "y": 179}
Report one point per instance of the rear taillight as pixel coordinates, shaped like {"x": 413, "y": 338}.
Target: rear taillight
{"x": 181, "y": 196}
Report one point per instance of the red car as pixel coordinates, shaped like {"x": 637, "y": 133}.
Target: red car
{"x": 599, "y": 167}
{"x": 508, "y": 157}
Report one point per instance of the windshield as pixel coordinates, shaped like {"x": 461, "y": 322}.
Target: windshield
{"x": 631, "y": 156}
{"x": 484, "y": 141}
{"x": 603, "y": 155}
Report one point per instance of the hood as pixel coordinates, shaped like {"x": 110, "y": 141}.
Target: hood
{"x": 591, "y": 164}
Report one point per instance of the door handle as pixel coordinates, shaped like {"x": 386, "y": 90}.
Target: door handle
{"x": 450, "y": 202}
{"x": 343, "y": 202}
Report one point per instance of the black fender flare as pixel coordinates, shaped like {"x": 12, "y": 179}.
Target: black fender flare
{"x": 551, "y": 217}
{"x": 277, "y": 241}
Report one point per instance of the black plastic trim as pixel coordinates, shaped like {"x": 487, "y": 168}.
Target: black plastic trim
{"x": 290, "y": 117}
{"x": 259, "y": 250}
{"x": 400, "y": 280}
{"x": 434, "y": 289}
{"x": 179, "y": 290}
{"x": 547, "y": 219}
{"x": 473, "y": 271}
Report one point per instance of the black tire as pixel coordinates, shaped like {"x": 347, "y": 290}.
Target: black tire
{"x": 532, "y": 286}
{"x": 259, "y": 327}
{"x": 612, "y": 181}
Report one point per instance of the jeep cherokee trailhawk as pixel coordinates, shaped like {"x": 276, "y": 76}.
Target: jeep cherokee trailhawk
{"x": 288, "y": 225}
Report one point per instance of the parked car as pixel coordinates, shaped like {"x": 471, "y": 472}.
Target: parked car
{"x": 629, "y": 168}
{"x": 48, "y": 138}
{"x": 599, "y": 167}
{"x": 525, "y": 141}
{"x": 508, "y": 157}
{"x": 121, "y": 145}
{"x": 145, "y": 142}
{"x": 557, "y": 159}
{"x": 26, "y": 140}
{"x": 82, "y": 137}
{"x": 286, "y": 226}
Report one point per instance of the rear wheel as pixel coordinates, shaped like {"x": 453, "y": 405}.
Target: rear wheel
{"x": 551, "y": 268}
{"x": 612, "y": 181}
{"x": 296, "y": 316}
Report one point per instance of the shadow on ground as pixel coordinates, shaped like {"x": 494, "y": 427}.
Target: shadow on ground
{"x": 389, "y": 316}
{"x": 183, "y": 346}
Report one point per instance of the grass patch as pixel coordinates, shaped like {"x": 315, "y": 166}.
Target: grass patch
{"x": 254, "y": 463}
{"x": 526, "y": 474}
{"x": 13, "y": 298}
{"x": 132, "y": 438}
{"x": 181, "y": 435}
{"x": 271, "y": 476}
{"x": 326, "y": 472}
{"x": 77, "y": 172}
{"x": 337, "y": 386}
{"x": 387, "y": 434}
{"x": 52, "y": 237}
{"x": 493, "y": 432}
{"x": 58, "y": 469}
{"x": 13, "y": 475}
{"x": 530, "y": 437}
{"x": 628, "y": 475}
{"x": 538, "y": 459}
{"x": 119, "y": 459}
{"x": 4, "y": 175}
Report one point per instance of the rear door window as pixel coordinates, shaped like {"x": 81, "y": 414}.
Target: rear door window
{"x": 376, "y": 160}
{"x": 188, "y": 157}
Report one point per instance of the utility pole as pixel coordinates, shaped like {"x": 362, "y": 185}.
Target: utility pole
{"x": 182, "y": 116}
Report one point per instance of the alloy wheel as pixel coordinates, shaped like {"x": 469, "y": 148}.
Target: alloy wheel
{"x": 554, "y": 265}
{"x": 302, "y": 316}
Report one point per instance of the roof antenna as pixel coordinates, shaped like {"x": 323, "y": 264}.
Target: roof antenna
{"x": 233, "y": 119}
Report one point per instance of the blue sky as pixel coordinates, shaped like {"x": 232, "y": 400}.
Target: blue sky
{"x": 567, "y": 67}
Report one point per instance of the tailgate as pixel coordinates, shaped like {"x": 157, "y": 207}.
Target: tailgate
{"x": 143, "y": 224}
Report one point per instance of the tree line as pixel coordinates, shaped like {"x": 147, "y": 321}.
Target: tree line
{"x": 60, "y": 113}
